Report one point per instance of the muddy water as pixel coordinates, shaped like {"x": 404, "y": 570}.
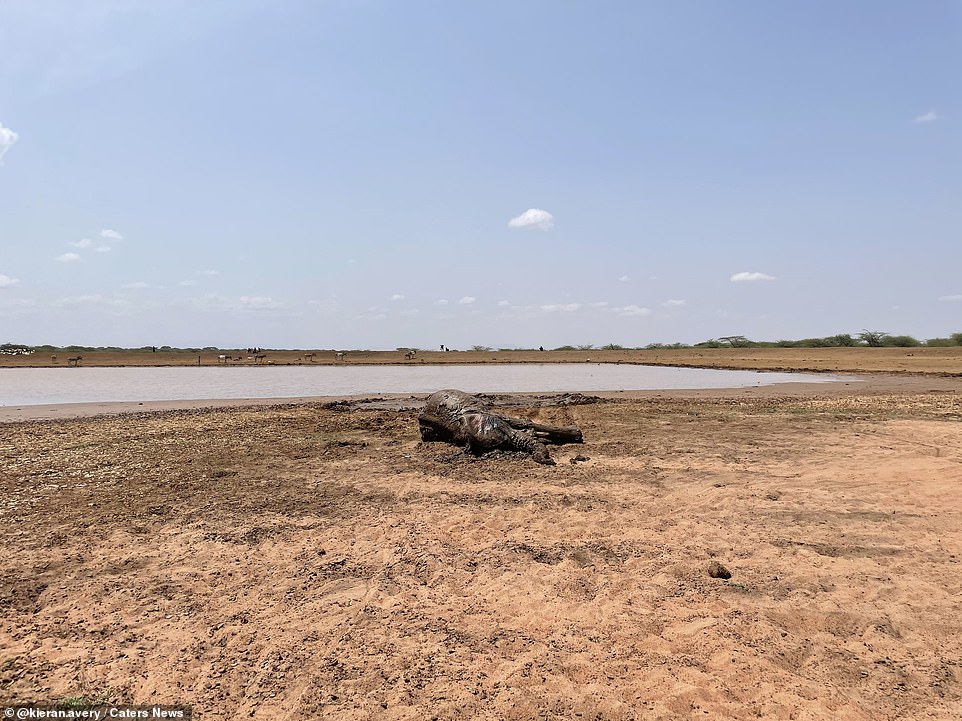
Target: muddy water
{"x": 35, "y": 386}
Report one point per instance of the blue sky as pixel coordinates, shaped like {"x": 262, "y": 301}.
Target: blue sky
{"x": 379, "y": 174}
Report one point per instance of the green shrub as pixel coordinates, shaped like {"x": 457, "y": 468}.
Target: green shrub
{"x": 901, "y": 341}
{"x": 842, "y": 340}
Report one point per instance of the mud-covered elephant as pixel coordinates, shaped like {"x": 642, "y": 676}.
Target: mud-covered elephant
{"x": 456, "y": 417}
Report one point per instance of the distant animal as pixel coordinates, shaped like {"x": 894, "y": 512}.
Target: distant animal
{"x": 222, "y": 358}
{"x": 53, "y": 359}
{"x": 339, "y": 356}
{"x": 310, "y": 357}
{"x": 259, "y": 357}
{"x": 75, "y": 361}
{"x": 410, "y": 354}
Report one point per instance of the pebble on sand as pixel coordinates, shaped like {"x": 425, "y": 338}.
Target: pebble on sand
{"x": 716, "y": 570}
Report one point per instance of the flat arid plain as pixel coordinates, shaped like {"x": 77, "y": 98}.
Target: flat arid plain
{"x": 946, "y": 360}
{"x": 316, "y": 560}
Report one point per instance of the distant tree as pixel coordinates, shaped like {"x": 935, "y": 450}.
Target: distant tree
{"x": 956, "y": 338}
{"x": 735, "y": 341}
{"x": 873, "y": 338}
{"x": 481, "y": 348}
{"x": 585, "y": 347}
{"x": 566, "y": 347}
{"x": 939, "y": 343}
{"x": 612, "y": 346}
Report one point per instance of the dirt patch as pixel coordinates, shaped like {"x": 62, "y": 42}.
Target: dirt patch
{"x": 321, "y": 562}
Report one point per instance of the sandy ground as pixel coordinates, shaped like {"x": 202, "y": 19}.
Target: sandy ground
{"x": 313, "y": 561}
{"x": 947, "y": 361}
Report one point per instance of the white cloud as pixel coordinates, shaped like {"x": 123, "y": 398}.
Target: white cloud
{"x": 928, "y": 117}
{"x": 208, "y": 272}
{"x": 103, "y": 249}
{"x": 948, "y": 298}
{"x": 213, "y": 302}
{"x": 632, "y": 310}
{"x": 81, "y": 299}
{"x": 750, "y": 277}
{"x": 673, "y": 303}
{"x": 623, "y": 279}
{"x": 503, "y": 303}
{"x": 17, "y": 303}
{"x": 564, "y": 308}
{"x": 442, "y": 301}
{"x": 599, "y": 304}
{"x": 92, "y": 299}
{"x": 467, "y": 300}
{"x": 327, "y": 305}
{"x": 111, "y": 234}
{"x": 397, "y": 296}
{"x": 187, "y": 282}
{"x": 533, "y": 218}
{"x": 257, "y": 302}
{"x": 135, "y": 286}
{"x": 67, "y": 257}
{"x": 7, "y": 139}
{"x": 82, "y": 243}
{"x": 6, "y": 281}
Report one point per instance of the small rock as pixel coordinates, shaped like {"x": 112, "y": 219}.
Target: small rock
{"x": 716, "y": 570}
{"x": 579, "y": 459}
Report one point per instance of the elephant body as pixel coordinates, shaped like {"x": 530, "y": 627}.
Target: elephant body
{"x": 453, "y": 416}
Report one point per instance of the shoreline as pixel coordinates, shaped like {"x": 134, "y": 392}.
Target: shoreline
{"x": 869, "y": 384}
